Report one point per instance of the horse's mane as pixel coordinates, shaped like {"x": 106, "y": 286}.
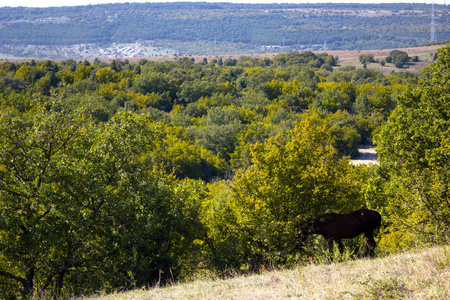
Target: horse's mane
{"x": 331, "y": 215}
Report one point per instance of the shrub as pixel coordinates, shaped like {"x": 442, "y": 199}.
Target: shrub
{"x": 366, "y": 58}
{"x": 399, "y": 58}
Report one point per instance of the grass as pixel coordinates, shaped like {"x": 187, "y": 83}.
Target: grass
{"x": 419, "y": 274}
{"x": 351, "y": 58}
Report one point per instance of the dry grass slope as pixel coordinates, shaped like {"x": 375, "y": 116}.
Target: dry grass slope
{"x": 420, "y": 274}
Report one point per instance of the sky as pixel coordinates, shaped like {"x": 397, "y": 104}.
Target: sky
{"x": 49, "y": 3}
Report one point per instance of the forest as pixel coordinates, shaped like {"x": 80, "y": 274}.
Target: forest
{"x": 121, "y": 175}
{"x": 207, "y": 28}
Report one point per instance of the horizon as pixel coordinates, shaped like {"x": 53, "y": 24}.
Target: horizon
{"x": 68, "y": 3}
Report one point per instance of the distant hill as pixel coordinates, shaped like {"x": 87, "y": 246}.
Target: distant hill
{"x": 158, "y": 29}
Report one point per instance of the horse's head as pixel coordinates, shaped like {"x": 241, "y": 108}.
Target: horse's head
{"x": 303, "y": 231}
{"x": 301, "y": 238}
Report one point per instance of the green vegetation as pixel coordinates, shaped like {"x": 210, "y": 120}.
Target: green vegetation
{"x": 398, "y": 58}
{"x": 213, "y": 28}
{"x": 366, "y": 58}
{"x": 420, "y": 150}
{"x": 115, "y": 176}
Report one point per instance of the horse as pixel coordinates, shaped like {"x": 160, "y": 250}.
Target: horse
{"x": 335, "y": 227}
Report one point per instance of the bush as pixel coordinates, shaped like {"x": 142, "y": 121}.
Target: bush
{"x": 366, "y": 58}
{"x": 399, "y": 58}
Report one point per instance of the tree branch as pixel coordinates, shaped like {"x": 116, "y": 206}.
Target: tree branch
{"x": 12, "y": 276}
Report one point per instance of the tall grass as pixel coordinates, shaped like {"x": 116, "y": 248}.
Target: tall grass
{"x": 419, "y": 274}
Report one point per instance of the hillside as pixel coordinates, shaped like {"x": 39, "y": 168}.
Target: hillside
{"x": 419, "y": 274}
{"x": 116, "y": 174}
{"x": 157, "y": 29}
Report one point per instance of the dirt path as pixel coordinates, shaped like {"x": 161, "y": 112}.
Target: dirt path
{"x": 367, "y": 155}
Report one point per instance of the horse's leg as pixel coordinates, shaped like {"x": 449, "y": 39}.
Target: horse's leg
{"x": 341, "y": 246}
{"x": 330, "y": 245}
{"x": 330, "y": 248}
{"x": 370, "y": 245}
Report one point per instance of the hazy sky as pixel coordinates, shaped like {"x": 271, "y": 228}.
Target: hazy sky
{"x": 47, "y": 3}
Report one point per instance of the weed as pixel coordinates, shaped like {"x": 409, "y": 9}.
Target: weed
{"x": 391, "y": 288}
{"x": 445, "y": 261}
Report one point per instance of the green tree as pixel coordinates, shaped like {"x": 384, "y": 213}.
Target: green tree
{"x": 155, "y": 82}
{"x": 82, "y": 208}
{"x": 293, "y": 177}
{"x": 105, "y": 75}
{"x": 82, "y": 72}
{"x": 398, "y": 58}
{"x": 302, "y": 94}
{"x": 219, "y": 139}
{"x": 333, "y": 96}
{"x": 29, "y": 145}
{"x": 413, "y": 150}
{"x": 344, "y": 134}
{"x": 24, "y": 73}
{"x": 366, "y": 58}
{"x": 191, "y": 91}
{"x": 178, "y": 155}
{"x": 43, "y": 85}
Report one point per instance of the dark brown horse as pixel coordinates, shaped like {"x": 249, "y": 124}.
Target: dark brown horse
{"x": 335, "y": 227}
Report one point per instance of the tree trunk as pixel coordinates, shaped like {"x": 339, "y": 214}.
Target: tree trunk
{"x": 59, "y": 283}
{"x": 28, "y": 283}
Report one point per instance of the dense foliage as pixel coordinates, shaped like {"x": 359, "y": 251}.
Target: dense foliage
{"x": 116, "y": 175}
{"x": 340, "y": 26}
{"x": 414, "y": 149}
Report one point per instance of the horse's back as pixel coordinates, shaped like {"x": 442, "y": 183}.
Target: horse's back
{"x": 344, "y": 226}
{"x": 353, "y": 224}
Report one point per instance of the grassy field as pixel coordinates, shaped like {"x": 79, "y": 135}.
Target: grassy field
{"x": 346, "y": 58}
{"x": 424, "y": 53}
{"x": 419, "y": 274}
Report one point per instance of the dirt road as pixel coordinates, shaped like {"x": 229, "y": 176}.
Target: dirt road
{"x": 367, "y": 155}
